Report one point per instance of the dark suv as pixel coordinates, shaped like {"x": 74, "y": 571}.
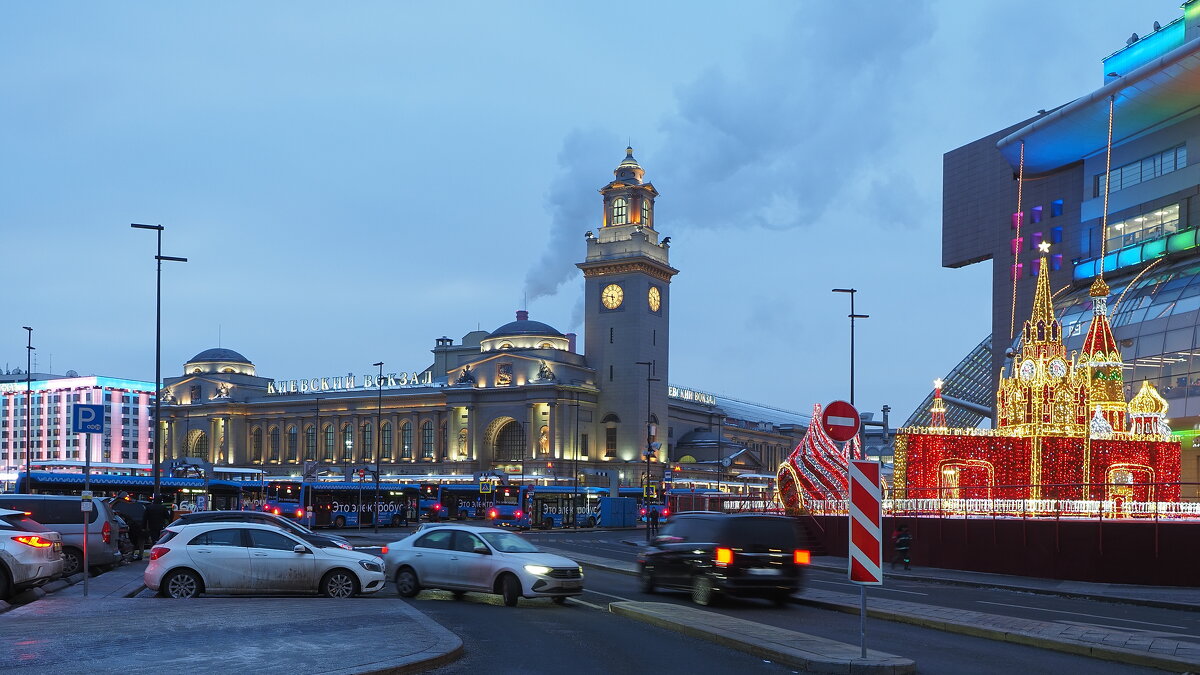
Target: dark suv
{"x": 321, "y": 540}
{"x": 719, "y": 554}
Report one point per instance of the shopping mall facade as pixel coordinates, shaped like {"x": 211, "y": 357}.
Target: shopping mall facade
{"x": 1044, "y": 180}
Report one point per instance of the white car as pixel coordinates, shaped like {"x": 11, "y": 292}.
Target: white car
{"x": 229, "y": 557}
{"x": 30, "y": 553}
{"x": 462, "y": 558}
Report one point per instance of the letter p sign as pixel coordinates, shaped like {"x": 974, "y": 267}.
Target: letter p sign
{"x": 87, "y": 419}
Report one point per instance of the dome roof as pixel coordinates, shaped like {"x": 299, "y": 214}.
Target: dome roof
{"x": 218, "y": 354}
{"x": 1147, "y": 402}
{"x": 524, "y": 327}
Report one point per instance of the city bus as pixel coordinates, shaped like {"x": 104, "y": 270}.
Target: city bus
{"x": 187, "y": 494}
{"x": 453, "y": 501}
{"x": 339, "y": 504}
{"x": 556, "y": 507}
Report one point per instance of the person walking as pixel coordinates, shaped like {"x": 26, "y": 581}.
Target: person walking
{"x": 157, "y": 517}
{"x": 653, "y": 520}
{"x": 134, "y": 514}
{"x": 901, "y": 542}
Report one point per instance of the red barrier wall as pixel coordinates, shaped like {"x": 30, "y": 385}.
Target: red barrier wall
{"x": 1123, "y": 551}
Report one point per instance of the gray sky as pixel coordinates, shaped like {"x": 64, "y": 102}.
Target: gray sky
{"x": 353, "y": 180}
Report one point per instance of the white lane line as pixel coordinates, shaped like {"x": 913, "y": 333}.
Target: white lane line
{"x": 897, "y": 590}
{"x": 586, "y": 603}
{"x": 1094, "y": 616}
{"x": 608, "y": 595}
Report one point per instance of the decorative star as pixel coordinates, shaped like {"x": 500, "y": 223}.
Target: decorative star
{"x": 1044, "y": 247}
{"x": 937, "y": 384}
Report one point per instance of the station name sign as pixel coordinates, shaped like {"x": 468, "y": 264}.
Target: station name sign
{"x": 691, "y": 395}
{"x": 349, "y": 382}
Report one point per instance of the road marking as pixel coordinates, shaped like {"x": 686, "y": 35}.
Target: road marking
{"x": 1094, "y": 616}
{"x": 585, "y": 602}
{"x": 897, "y": 590}
{"x": 608, "y": 595}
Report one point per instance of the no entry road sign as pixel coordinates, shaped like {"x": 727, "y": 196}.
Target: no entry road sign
{"x": 840, "y": 420}
{"x": 866, "y": 523}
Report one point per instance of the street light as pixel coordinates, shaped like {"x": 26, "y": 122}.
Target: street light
{"x": 852, "y": 316}
{"x": 379, "y": 438}
{"x": 650, "y": 449}
{"x": 28, "y": 406}
{"x": 159, "y": 257}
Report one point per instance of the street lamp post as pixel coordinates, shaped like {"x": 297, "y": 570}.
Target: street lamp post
{"x": 28, "y": 406}
{"x": 379, "y": 437}
{"x": 853, "y": 316}
{"x": 649, "y": 441}
{"x": 159, "y": 257}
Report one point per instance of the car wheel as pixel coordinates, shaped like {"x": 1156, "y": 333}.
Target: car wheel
{"x": 510, "y": 588}
{"x": 646, "y": 580}
{"x": 181, "y": 584}
{"x": 591, "y": 522}
{"x": 339, "y": 584}
{"x": 702, "y": 590}
{"x": 559, "y": 599}
{"x": 339, "y": 522}
{"x": 406, "y": 583}
{"x": 72, "y": 561}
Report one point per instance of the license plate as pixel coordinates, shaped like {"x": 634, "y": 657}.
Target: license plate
{"x": 58, "y": 547}
{"x": 763, "y": 571}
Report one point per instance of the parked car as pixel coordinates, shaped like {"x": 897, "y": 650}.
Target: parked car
{"x": 462, "y": 558}
{"x": 315, "y": 538}
{"x": 718, "y": 554}
{"x": 63, "y": 514}
{"x": 251, "y": 558}
{"x": 30, "y": 553}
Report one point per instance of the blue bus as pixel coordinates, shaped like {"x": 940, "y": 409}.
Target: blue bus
{"x": 340, "y": 504}
{"x": 555, "y": 507}
{"x": 187, "y": 494}
{"x": 453, "y": 501}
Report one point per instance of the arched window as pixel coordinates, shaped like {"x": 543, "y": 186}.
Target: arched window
{"x": 406, "y": 441}
{"x": 274, "y": 449}
{"x": 427, "y": 440}
{"x": 368, "y": 448}
{"x": 347, "y": 442}
{"x": 293, "y": 437}
{"x": 620, "y": 211}
{"x": 329, "y": 442}
{"x": 646, "y": 212}
{"x": 310, "y": 443}
{"x": 256, "y": 445}
{"x": 610, "y": 423}
{"x": 510, "y": 443}
{"x": 386, "y": 430}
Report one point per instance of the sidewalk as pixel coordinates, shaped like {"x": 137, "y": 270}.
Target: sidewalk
{"x": 108, "y": 631}
{"x": 1097, "y": 642}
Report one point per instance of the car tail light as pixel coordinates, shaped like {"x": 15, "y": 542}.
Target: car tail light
{"x": 384, "y": 550}
{"x": 299, "y": 513}
{"x": 275, "y": 511}
{"x": 158, "y": 552}
{"x": 666, "y": 512}
{"x": 437, "y": 507}
{"x": 34, "y": 541}
{"x": 642, "y": 512}
{"x": 106, "y": 532}
{"x": 519, "y": 513}
{"x": 724, "y": 556}
{"x": 801, "y": 557}
{"x": 492, "y": 513}
{"x": 266, "y": 508}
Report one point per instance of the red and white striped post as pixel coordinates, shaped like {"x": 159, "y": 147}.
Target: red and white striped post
{"x": 866, "y": 534}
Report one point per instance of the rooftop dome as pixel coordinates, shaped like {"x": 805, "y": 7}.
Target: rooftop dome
{"x": 524, "y": 327}
{"x": 218, "y": 354}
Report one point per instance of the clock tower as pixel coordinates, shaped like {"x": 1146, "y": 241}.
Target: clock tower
{"x": 627, "y": 304}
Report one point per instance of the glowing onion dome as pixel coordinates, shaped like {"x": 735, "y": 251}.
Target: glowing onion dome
{"x": 629, "y": 171}
{"x": 1101, "y": 360}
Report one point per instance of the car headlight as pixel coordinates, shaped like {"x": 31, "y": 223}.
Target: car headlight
{"x": 342, "y": 544}
{"x": 370, "y": 566}
{"x": 540, "y": 570}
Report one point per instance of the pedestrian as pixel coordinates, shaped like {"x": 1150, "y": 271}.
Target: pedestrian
{"x": 157, "y": 517}
{"x": 901, "y": 542}
{"x": 134, "y": 513}
{"x": 653, "y": 520}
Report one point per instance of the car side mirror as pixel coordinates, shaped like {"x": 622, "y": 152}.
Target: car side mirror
{"x": 482, "y": 549}
{"x": 300, "y": 548}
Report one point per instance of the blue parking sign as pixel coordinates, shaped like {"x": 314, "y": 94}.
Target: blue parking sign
{"x": 87, "y": 419}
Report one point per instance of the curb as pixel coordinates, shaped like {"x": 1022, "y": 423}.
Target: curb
{"x": 777, "y": 651}
{"x": 1117, "y": 600}
{"x": 447, "y": 648}
{"x": 1080, "y": 649}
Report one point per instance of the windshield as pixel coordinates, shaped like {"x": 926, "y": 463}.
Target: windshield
{"x": 507, "y": 542}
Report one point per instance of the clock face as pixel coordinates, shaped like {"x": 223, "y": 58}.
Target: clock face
{"x": 1058, "y": 368}
{"x": 654, "y": 298}
{"x": 1028, "y": 370}
{"x": 612, "y": 295}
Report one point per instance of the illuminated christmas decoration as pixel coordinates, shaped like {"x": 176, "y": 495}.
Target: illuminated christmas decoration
{"x": 816, "y": 469}
{"x": 1063, "y": 426}
{"x": 937, "y": 409}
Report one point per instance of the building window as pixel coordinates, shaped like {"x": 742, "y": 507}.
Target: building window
{"x": 583, "y": 446}
{"x": 386, "y": 430}
{"x": 329, "y": 442}
{"x": 646, "y": 212}
{"x": 292, "y": 437}
{"x": 310, "y": 443}
{"x": 256, "y": 445}
{"x": 510, "y": 443}
{"x": 1056, "y": 208}
{"x": 368, "y": 447}
{"x": 274, "y": 449}
{"x": 1142, "y": 170}
{"x": 406, "y": 441}
{"x": 620, "y": 211}
{"x": 610, "y": 442}
{"x": 347, "y": 442}
{"x": 427, "y": 440}
{"x": 1146, "y": 227}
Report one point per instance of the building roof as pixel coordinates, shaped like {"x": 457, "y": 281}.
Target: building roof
{"x": 218, "y": 354}
{"x": 523, "y": 327}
